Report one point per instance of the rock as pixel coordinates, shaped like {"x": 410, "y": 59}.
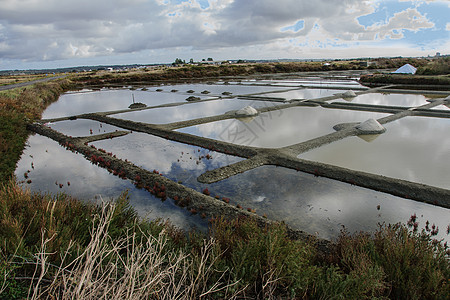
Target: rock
{"x": 247, "y": 111}
{"x": 371, "y": 126}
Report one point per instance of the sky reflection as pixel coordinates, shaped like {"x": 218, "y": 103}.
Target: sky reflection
{"x": 321, "y": 205}
{"x": 218, "y": 89}
{"x": 82, "y": 127}
{"x": 105, "y": 100}
{"x": 413, "y": 148}
{"x": 53, "y": 165}
{"x": 388, "y": 99}
{"x": 189, "y": 111}
{"x": 177, "y": 161}
{"x": 280, "y": 128}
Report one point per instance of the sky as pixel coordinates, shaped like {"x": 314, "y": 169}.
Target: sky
{"x": 38, "y": 34}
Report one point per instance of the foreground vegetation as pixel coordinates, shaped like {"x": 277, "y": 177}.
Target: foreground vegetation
{"x": 59, "y": 247}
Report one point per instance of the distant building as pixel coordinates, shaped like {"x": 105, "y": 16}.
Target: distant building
{"x": 367, "y": 63}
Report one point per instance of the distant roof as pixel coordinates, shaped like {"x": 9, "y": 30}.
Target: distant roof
{"x": 406, "y": 69}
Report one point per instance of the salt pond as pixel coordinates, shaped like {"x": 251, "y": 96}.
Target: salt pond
{"x": 387, "y": 99}
{"x": 280, "y": 128}
{"x": 189, "y": 111}
{"x": 413, "y": 148}
{"x": 50, "y": 165}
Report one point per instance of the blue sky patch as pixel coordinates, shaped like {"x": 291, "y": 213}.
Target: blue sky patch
{"x": 204, "y": 4}
{"x": 383, "y": 12}
{"x": 296, "y": 27}
{"x": 435, "y": 12}
{"x": 176, "y": 2}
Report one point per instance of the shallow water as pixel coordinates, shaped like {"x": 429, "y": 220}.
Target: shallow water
{"x": 313, "y": 82}
{"x": 189, "y": 111}
{"x": 413, "y": 148}
{"x": 50, "y": 165}
{"x": 322, "y": 206}
{"x": 217, "y": 89}
{"x": 82, "y": 127}
{"x": 279, "y": 128}
{"x": 177, "y": 161}
{"x": 303, "y": 94}
{"x": 407, "y": 100}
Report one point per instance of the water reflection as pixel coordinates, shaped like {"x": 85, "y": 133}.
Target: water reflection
{"x": 280, "y": 128}
{"x": 304, "y": 94}
{"x": 82, "y": 127}
{"x": 388, "y": 99}
{"x": 106, "y": 100}
{"x": 189, "y": 111}
{"x": 312, "y": 81}
{"x": 51, "y": 165}
{"x": 177, "y": 161}
{"x": 413, "y": 148}
{"x": 218, "y": 89}
{"x": 320, "y": 205}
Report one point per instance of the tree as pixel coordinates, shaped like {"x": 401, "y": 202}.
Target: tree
{"x": 178, "y": 62}
{"x": 209, "y": 59}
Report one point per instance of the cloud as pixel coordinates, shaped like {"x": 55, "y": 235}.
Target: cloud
{"x": 49, "y": 30}
{"x": 409, "y": 19}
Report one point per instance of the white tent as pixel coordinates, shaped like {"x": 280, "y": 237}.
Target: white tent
{"x": 406, "y": 69}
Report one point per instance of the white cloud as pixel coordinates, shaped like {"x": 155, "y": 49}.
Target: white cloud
{"x": 34, "y": 30}
{"x": 409, "y": 19}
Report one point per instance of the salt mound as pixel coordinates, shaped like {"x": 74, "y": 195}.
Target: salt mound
{"x": 370, "y": 126}
{"x": 349, "y": 94}
{"x": 247, "y": 111}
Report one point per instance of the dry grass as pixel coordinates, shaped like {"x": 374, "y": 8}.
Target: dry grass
{"x": 13, "y": 79}
{"x": 135, "y": 266}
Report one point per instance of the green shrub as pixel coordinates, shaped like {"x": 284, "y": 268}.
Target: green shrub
{"x": 413, "y": 265}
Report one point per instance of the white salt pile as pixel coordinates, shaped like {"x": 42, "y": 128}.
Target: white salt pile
{"x": 370, "y": 126}
{"x": 247, "y": 111}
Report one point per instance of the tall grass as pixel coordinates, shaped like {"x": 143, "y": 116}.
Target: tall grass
{"x": 55, "y": 247}
{"x": 134, "y": 266}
